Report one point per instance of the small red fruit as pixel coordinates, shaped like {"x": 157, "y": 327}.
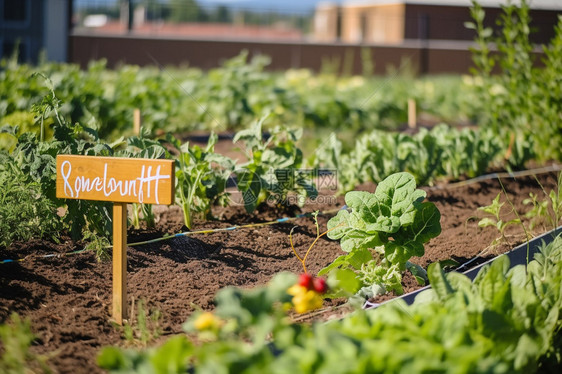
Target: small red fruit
{"x": 305, "y": 280}
{"x": 320, "y": 285}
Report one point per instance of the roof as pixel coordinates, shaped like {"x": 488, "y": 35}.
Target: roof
{"x": 534, "y": 4}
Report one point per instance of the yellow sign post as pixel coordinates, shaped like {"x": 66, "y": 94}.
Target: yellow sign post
{"x": 121, "y": 181}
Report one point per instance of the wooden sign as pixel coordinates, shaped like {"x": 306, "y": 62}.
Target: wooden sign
{"x": 122, "y": 181}
{"x": 126, "y": 180}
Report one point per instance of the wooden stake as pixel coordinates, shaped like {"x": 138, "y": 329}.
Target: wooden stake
{"x": 119, "y": 262}
{"x": 412, "y": 121}
{"x": 137, "y": 121}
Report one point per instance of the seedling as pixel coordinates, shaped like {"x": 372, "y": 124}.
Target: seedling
{"x": 144, "y": 327}
{"x": 549, "y": 210}
{"x": 494, "y": 209}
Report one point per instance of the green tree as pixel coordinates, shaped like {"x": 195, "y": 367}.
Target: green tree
{"x": 184, "y": 10}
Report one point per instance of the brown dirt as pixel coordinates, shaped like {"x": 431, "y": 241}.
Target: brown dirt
{"x": 68, "y": 298}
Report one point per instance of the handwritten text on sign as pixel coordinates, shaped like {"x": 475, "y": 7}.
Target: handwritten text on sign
{"x": 127, "y": 180}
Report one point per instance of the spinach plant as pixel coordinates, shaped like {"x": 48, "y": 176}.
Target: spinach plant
{"x": 201, "y": 177}
{"x": 381, "y": 232}
{"x": 273, "y": 170}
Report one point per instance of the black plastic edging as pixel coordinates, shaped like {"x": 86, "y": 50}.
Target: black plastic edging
{"x": 517, "y": 256}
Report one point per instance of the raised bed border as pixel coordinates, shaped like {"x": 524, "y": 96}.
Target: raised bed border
{"x": 517, "y": 256}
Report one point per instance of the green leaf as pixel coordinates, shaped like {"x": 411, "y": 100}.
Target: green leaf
{"x": 438, "y": 281}
{"x": 426, "y": 225}
{"x": 347, "y": 280}
{"x": 355, "y": 259}
{"x": 398, "y": 192}
{"x": 173, "y": 356}
{"x": 351, "y": 230}
{"x": 485, "y": 222}
{"x": 250, "y": 184}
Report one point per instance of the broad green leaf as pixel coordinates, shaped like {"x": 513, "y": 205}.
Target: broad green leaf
{"x": 354, "y": 259}
{"x": 173, "y": 356}
{"x": 250, "y": 184}
{"x": 397, "y": 192}
{"x": 356, "y": 240}
{"x": 399, "y": 254}
{"x": 347, "y": 280}
{"x": 438, "y": 281}
{"x": 351, "y": 230}
{"x": 426, "y": 225}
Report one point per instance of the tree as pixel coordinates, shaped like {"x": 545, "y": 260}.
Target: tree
{"x": 184, "y": 10}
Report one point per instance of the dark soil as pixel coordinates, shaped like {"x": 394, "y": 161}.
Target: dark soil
{"x": 68, "y": 298}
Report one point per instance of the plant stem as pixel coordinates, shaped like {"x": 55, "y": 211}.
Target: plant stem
{"x": 527, "y": 236}
{"x": 318, "y": 236}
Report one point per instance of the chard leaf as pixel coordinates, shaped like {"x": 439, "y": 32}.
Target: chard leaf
{"x": 347, "y": 280}
{"x": 426, "y": 226}
{"x": 398, "y": 192}
{"x": 356, "y": 259}
{"x": 397, "y": 253}
{"x": 351, "y": 230}
{"x": 393, "y": 204}
{"x": 409, "y": 240}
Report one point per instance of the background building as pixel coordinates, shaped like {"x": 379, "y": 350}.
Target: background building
{"x": 33, "y": 26}
{"x": 397, "y": 21}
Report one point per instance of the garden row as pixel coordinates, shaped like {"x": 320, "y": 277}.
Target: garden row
{"x": 506, "y": 321}
{"x": 275, "y": 169}
{"x": 229, "y": 98}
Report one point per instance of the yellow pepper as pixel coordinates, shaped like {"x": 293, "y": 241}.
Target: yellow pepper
{"x": 305, "y": 300}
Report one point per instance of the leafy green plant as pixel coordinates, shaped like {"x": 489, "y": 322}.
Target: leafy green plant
{"x": 381, "y": 233}
{"x": 426, "y": 157}
{"x": 507, "y": 320}
{"x": 15, "y": 342}
{"x": 24, "y": 212}
{"x": 37, "y": 159}
{"x": 241, "y": 324}
{"x": 99, "y": 244}
{"x": 547, "y": 211}
{"x": 495, "y": 211}
{"x": 522, "y": 103}
{"x": 273, "y": 170}
{"x": 201, "y": 176}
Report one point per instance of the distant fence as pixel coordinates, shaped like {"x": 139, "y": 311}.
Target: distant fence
{"x": 424, "y": 58}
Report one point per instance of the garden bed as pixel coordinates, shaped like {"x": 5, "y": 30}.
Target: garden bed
{"x": 68, "y": 298}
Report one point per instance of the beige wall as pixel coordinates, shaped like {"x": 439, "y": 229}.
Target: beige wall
{"x": 373, "y": 24}
{"x": 326, "y": 23}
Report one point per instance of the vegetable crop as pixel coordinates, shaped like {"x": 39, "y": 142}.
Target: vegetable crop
{"x": 381, "y": 233}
